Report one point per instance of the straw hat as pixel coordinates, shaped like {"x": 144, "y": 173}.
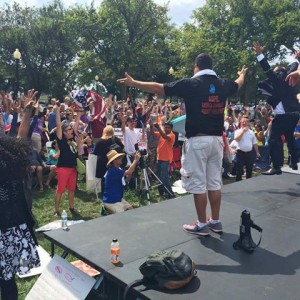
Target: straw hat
{"x": 112, "y": 155}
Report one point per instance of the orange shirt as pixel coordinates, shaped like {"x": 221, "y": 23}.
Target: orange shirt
{"x": 165, "y": 147}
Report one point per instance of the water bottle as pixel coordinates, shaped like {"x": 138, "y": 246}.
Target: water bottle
{"x": 64, "y": 220}
{"x": 115, "y": 251}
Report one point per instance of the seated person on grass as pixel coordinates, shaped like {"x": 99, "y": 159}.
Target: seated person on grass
{"x": 39, "y": 167}
{"x": 114, "y": 182}
{"x": 53, "y": 154}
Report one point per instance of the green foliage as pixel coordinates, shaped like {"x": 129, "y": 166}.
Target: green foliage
{"x": 46, "y": 42}
{"x": 63, "y": 48}
{"x": 226, "y": 29}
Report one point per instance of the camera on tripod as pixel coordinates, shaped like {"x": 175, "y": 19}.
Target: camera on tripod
{"x": 143, "y": 152}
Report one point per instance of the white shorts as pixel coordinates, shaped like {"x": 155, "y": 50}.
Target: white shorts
{"x": 202, "y": 164}
{"x": 117, "y": 207}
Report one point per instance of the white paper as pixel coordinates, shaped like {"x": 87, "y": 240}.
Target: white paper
{"x": 44, "y": 259}
{"x": 60, "y": 281}
{"x": 57, "y": 224}
{"x": 92, "y": 182}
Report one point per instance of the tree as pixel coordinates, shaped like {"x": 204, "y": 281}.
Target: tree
{"x": 46, "y": 41}
{"x": 126, "y": 36}
{"x": 227, "y": 28}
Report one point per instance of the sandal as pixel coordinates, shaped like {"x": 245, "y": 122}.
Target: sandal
{"x": 56, "y": 213}
{"x": 41, "y": 189}
{"x": 74, "y": 210}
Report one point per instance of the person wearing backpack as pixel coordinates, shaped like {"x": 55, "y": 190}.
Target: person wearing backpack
{"x": 107, "y": 142}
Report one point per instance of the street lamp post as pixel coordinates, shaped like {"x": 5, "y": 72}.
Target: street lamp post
{"x": 17, "y": 57}
{"x": 97, "y": 83}
{"x": 171, "y": 72}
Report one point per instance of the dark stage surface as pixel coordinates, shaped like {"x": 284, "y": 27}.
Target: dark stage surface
{"x": 271, "y": 272}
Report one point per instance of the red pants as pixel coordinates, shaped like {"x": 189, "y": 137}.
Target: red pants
{"x": 66, "y": 178}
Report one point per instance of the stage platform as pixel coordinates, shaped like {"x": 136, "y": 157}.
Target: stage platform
{"x": 287, "y": 169}
{"x": 271, "y": 272}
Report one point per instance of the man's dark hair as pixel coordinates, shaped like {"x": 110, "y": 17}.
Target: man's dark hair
{"x": 204, "y": 61}
{"x": 168, "y": 124}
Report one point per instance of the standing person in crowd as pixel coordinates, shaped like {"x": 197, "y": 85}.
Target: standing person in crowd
{"x": 102, "y": 147}
{"x": 114, "y": 182}
{"x": 97, "y": 120}
{"x": 66, "y": 164}
{"x": 67, "y": 102}
{"x": 7, "y": 103}
{"x": 18, "y": 243}
{"x": 205, "y": 98}
{"x": 143, "y": 116}
{"x": 131, "y": 139}
{"x": 262, "y": 114}
{"x": 88, "y": 146}
{"x": 297, "y": 139}
{"x": 69, "y": 117}
{"x": 284, "y": 102}
{"x": 164, "y": 155}
{"x": 152, "y": 142}
{"x": 246, "y": 141}
{"x": 259, "y": 134}
{"x": 52, "y": 121}
{"x": 38, "y": 129}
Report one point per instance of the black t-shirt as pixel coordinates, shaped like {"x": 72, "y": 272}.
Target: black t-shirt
{"x": 101, "y": 149}
{"x": 68, "y": 154}
{"x": 205, "y": 98}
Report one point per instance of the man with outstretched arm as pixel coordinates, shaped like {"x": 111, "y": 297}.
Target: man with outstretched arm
{"x": 205, "y": 98}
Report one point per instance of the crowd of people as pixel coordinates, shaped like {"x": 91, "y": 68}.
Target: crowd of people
{"x": 43, "y": 145}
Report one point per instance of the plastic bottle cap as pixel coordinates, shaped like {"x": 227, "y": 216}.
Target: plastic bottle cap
{"x": 115, "y": 240}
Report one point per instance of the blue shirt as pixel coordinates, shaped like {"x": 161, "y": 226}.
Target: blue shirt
{"x": 51, "y": 160}
{"x": 297, "y": 141}
{"x": 114, "y": 189}
{"x": 51, "y": 120}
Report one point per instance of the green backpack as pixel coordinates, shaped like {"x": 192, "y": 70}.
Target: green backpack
{"x": 165, "y": 269}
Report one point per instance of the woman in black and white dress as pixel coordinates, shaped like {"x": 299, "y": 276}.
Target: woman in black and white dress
{"x": 18, "y": 251}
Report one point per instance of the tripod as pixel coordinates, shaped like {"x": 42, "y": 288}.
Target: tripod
{"x": 145, "y": 178}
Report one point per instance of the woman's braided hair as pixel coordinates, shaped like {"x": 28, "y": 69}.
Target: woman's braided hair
{"x": 14, "y": 158}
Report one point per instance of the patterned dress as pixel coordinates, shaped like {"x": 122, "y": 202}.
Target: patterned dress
{"x": 18, "y": 251}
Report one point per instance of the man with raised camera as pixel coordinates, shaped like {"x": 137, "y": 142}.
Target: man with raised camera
{"x": 164, "y": 155}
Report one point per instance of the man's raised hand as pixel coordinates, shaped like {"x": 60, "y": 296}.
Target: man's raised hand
{"x": 243, "y": 71}
{"x": 258, "y": 48}
{"x": 293, "y": 78}
{"x": 127, "y": 80}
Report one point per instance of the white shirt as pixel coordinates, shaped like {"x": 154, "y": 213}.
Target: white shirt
{"x": 131, "y": 137}
{"x": 247, "y": 141}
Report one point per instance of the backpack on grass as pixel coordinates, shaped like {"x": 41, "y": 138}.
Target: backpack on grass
{"x": 165, "y": 269}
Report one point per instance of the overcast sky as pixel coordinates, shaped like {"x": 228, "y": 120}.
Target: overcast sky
{"x": 179, "y": 10}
